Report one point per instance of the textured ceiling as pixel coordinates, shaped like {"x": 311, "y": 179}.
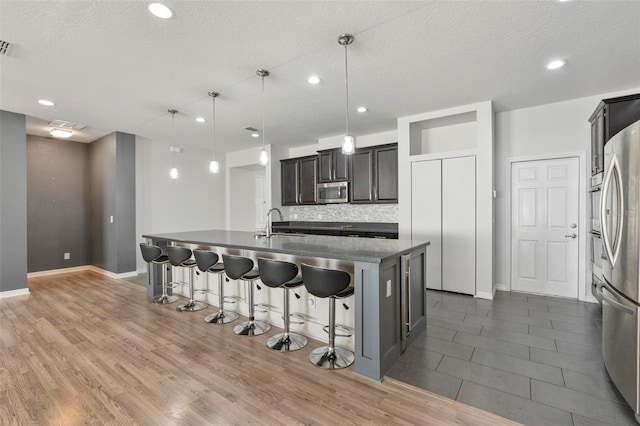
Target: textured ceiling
{"x": 113, "y": 66}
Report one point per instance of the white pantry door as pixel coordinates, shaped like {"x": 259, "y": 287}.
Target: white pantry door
{"x": 544, "y": 227}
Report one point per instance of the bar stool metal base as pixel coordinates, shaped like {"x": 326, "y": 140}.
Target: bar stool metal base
{"x": 163, "y": 300}
{"x": 251, "y": 328}
{"x": 192, "y": 307}
{"x": 340, "y": 358}
{"x": 221, "y": 317}
{"x": 292, "y": 342}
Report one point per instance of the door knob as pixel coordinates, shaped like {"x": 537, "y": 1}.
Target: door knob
{"x": 574, "y": 225}
{"x": 570, "y": 236}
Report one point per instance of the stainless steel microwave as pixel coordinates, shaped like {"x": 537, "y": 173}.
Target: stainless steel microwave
{"x": 333, "y": 192}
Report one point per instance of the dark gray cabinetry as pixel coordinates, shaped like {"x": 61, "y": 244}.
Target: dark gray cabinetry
{"x": 299, "y": 177}
{"x": 333, "y": 166}
{"x": 374, "y": 175}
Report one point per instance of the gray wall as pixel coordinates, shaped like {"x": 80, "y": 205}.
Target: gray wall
{"x": 112, "y": 195}
{"x": 57, "y": 203}
{"x": 13, "y": 201}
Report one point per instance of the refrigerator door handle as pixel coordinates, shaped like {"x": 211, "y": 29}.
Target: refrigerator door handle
{"x": 612, "y": 255}
{"x": 615, "y": 304}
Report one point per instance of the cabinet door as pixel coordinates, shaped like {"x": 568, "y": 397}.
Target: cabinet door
{"x": 325, "y": 167}
{"x": 362, "y": 176}
{"x": 386, "y": 174}
{"x": 341, "y": 167}
{"x": 289, "y": 179}
{"x": 426, "y": 215}
{"x": 308, "y": 180}
{"x": 459, "y": 225}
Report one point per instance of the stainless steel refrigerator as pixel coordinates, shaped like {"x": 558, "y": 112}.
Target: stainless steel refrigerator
{"x": 621, "y": 239}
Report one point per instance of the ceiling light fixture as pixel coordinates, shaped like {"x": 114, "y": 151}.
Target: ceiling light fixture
{"x": 214, "y": 167}
{"x": 174, "y": 171}
{"x": 348, "y": 145}
{"x": 45, "y": 102}
{"x": 362, "y": 109}
{"x": 314, "y": 79}
{"x": 61, "y": 133}
{"x": 255, "y": 135}
{"x": 200, "y": 119}
{"x": 160, "y": 10}
{"x": 264, "y": 156}
{"x": 555, "y": 64}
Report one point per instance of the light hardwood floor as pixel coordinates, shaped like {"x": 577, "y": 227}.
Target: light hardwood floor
{"x": 87, "y": 349}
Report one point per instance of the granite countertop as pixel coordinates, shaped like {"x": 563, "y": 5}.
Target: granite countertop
{"x": 380, "y": 227}
{"x": 343, "y": 248}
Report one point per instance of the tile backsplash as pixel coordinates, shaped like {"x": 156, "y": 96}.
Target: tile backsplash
{"x": 345, "y": 213}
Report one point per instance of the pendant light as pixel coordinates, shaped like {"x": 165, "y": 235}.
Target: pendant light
{"x": 348, "y": 146}
{"x": 174, "y": 171}
{"x": 264, "y": 157}
{"x": 214, "y": 167}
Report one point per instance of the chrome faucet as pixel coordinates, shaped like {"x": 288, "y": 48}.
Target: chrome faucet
{"x": 269, "y": 223}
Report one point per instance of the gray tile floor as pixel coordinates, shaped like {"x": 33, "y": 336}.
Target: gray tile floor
{"x": 533, "y": 359}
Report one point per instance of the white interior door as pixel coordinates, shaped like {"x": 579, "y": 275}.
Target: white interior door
{"x": 261, "y": 202}
{"x": 544, "y": 226}
{"x": 459, "y": 224}
{"x": 426, "y": 215}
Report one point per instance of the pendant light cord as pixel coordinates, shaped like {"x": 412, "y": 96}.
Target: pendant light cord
{"x": 173, "y": 138}
{"x": 263, "y": 144}
{"x": 213, "y": 157}
{"x": 346, "y": 87}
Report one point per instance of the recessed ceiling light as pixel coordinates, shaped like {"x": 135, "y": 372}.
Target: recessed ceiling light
{"x": 362, "y": 109}
{"x": 314, "y": 79}
{"x": 45, "y": 102}
{"x": 255, "y": 135}
{"x": 558, "y": 63}
{"x": 200, "y": 119}
{"x": 61, "y": 133}
{"x": 160, "y": 10}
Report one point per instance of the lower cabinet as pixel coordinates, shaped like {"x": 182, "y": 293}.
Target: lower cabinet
{"x": 444, "y": 212}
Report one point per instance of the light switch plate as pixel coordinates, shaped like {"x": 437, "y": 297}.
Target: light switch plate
{"x": 388, "y": 288}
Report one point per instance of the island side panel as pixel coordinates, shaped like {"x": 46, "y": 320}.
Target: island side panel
{"x": 416, "y": 275}
{"x": 377, "y": 317}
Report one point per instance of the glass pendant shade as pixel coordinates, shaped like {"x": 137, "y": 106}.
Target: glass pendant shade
{"x": 264, "y": 158}
{"x": 348, "y": 145}
{"x": 214, "y": 167}
{"x": 174, "y": 173}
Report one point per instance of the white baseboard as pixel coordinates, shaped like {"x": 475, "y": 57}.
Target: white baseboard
{"x": 484, "y": 295}
{"x": 57, "y": 271}
{"x": 113, "y": 274}
{"x": 83, "y": 268}
{"x": 14, "y": 293}
{"x": 501, "y": 287}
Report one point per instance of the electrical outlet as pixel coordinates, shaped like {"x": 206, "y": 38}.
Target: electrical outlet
{"x": 111, "y": 218}
{"x": 388, "y": 288}
{"x": 312, "y": 302}
{"x": 67, "y": 256}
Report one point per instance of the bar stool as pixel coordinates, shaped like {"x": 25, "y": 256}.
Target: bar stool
{"x": 207, "y": 261}
{"x": 181, "y": 256}
{"x": 333, "y": 284}
{"x": 153, "y": 254}
{"x": 277, "y": 274}
{"x": 241, "y": 268}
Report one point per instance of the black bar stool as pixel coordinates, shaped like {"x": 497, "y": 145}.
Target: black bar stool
{"x": 207, "y": 261}
{"x": 181, "y": 256}
{"x": 277, "y": 274}
{"x": 153, "y": 254}
{"x": 333, "y": 284}
{"x": 241, "y": 268}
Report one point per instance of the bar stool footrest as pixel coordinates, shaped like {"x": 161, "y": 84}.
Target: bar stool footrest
{"x": 301, "y": 317}
{"x": 263, "y": 307}
{"x": 232, "y": 299}
{"x": 345, "y": 330}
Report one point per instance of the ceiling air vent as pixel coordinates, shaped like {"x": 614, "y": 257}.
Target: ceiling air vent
{"x": 251, "y": 129}
{"x": 61, "y": 124}
{"x": 4, "y": 46}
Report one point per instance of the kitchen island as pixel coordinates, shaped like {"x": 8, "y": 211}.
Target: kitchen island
{"x": 388, "y": 276}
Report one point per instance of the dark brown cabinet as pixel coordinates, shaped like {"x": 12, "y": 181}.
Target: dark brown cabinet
{"x": 298, "y": 179}
{"x": 374, "y": 175}
{"x": 611, "y": 116}
{"x": 333, "y": 166}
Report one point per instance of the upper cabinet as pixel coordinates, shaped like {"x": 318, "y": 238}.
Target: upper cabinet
{"x": 299, "y": 178}
{"x": 333, "y": 166}
{"x": 374, "y": 175}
